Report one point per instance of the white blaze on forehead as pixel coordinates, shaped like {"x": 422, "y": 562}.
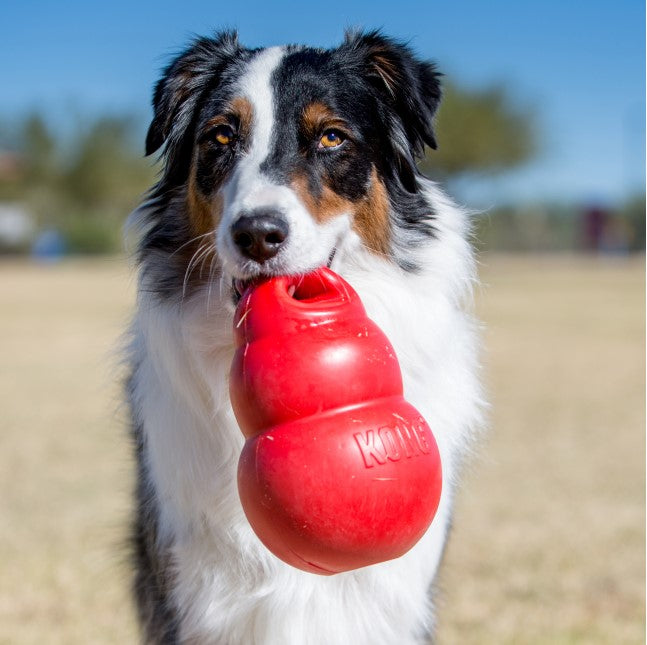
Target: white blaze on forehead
{"x": 309, "y": 244}
{"x": 256, "y": 87}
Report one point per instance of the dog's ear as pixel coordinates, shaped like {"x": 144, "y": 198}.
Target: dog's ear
{"x": 408, "y": 86}
{"x": 183, "y": 84}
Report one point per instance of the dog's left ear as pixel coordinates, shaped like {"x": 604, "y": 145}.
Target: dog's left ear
{"x": 410, "y": 86}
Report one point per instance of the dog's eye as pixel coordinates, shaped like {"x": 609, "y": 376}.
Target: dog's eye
{"x": 331, "y": 139}
{"x": 224, "y": 135}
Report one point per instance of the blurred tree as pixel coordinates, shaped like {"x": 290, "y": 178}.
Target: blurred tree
{"x": 479, "y": 131}
{"x": 39, "y": 150}
{"x": 82, "y": 187}
{"x": 633, "y": 211}
{"x": 103, "y": 180}
{"x": 105, "y": 171}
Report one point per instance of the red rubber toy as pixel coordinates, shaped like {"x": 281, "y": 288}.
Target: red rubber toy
{"x": 338, "y": 471}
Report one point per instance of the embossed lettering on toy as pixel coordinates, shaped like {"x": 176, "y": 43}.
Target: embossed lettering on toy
{"x": 392, "y": 443}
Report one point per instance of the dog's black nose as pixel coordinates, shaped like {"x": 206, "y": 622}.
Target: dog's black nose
{"x": 259, "y": 235}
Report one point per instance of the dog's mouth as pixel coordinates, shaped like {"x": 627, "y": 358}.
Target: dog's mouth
{"x": 239, "y": 286}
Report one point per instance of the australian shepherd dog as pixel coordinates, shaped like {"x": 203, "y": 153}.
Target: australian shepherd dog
{"x": 278, "y": 161}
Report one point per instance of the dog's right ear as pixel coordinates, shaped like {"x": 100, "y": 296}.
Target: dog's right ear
{"x": 183, "y": 83}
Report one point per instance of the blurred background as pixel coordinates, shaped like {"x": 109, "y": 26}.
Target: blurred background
{"x": 541, "y": 135}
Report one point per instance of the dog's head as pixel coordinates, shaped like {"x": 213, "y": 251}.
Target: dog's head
{"x": 279, "y": 158}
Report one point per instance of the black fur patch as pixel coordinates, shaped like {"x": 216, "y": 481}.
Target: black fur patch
{"x": 152, "y": 582}
{"x": 306, "y": 77}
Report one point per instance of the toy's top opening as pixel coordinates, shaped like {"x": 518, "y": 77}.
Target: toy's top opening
{"x": 316, "y": 288}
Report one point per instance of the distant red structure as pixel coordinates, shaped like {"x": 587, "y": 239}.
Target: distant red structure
{"x": 11, "y": 166}
{"x": 594, "y": 222}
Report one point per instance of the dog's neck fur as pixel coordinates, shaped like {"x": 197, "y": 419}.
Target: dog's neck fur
{"x": 223, "y": 585}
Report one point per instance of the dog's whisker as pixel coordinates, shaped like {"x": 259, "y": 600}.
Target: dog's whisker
{"x": 200, "y": 254}
{"x": 204, "y": 258}
{"x": 212, "y": 267}
{"x": 189, "y": 269}
{"x": 191, "y": 241}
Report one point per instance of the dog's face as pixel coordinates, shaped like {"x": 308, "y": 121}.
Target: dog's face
{"x": 286, "y": 155}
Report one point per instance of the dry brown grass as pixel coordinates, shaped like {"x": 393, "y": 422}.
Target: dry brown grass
{"x": 549, "y": 539}
{"x": 548, "y": 545}
{"x": 65, "y": 468}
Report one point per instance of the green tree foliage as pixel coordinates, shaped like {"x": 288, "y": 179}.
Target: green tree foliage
{"x": 83, "y": 187}
{"x": 104, "y": 171}
{"x": 479, "y": 131}
{"x": 39, "y": 150}
{"x": 633, "y": 212}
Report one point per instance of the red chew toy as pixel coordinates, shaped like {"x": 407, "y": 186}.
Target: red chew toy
{"x": 338, "y": 471}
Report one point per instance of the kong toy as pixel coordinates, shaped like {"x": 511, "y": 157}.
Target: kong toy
{"x": 338, "y": 471}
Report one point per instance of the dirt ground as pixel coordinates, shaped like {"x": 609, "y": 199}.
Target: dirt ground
{"x": 549, "y": 535}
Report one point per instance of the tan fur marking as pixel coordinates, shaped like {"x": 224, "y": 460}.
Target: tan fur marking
{"x": 221, "y": 119}
{"x": 203, "y": 213}
{"x": 314, "y": 116}
{"x": 317, "y": 117}
{"x": 243, "y": 109}
{"x": 240, "y": 108}
{"x": 196, "y": 256}
{"x": 370, "y": 216}
{"x": 324, "y": 208}
{"x": 371, "y": 221}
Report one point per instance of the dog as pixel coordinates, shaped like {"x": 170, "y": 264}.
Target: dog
{"x": 278, "y": 161}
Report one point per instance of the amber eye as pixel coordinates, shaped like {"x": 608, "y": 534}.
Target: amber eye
{"x": 331, "y": 139}
{"x": 224, "y": 135}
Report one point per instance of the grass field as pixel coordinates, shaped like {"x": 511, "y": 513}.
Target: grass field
{"x": 548, "y": 544}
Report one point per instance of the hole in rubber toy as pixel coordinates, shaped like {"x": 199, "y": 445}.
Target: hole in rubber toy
{"x": 313, "y": 288}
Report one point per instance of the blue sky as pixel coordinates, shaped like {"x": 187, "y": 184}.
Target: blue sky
{"x": 579, "y": 66}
